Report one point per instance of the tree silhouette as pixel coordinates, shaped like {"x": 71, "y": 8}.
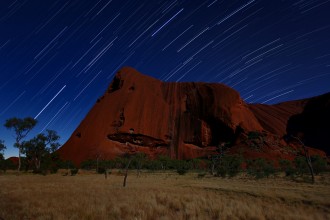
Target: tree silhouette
{"x": 307, "y": 157}
{"x": 2, "y": 148}
{"x": 40, "y": 146}
{"x": 21, "y": 128}
{"x": 129, "y": 160}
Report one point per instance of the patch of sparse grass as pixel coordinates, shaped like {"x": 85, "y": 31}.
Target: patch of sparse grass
{"x": 161, "y": 195}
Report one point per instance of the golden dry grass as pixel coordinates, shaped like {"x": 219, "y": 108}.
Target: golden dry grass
{"x": 160, "y": 196}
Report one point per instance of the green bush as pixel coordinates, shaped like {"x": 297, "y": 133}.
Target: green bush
{"x": 195, "y": 163}
{"x": 181, "y": 171}
{"x": 7, "y": 165}
{"x": 101, "y": 170}
{"x": 301, "y": 165}
{"x": 234, "y": 165}
{"x": 65, "y": 164}
{"x": 88, "y": 164}
{"x": 287, "y": 167}
{"x": 53, "y": 169}
{"x": 229, "y": 165}
{"x": 221, "y": 171}
{"x": 74, "y": 171}
{"x": 319, "y": 164}
{"x": 182, "y": 167}
{"x": 201, "y": 175}
{"x": 260, "y": 168}
{"x": 165, "y": 161}
{"x": 153, "y": 165}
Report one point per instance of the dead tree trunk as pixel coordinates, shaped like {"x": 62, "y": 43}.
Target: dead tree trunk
{"x": 37, "y": 163}
{"x": 97, "y": 164}
{"x": 105, "y": 173}
{"x": 19, "y": 160}
{"x": 138, "y": 171}
{"x": 214, "y": 161}
{"x": 139, "y": 167}
{"x": 307, "y": 158}
{"x": 126, "y": 172}
{"x": 212, "y": 168}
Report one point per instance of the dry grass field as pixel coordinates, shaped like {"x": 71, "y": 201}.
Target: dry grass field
{"x": 160, "y": 196}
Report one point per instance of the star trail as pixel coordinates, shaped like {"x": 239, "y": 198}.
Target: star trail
{"x": 58, "y": 57}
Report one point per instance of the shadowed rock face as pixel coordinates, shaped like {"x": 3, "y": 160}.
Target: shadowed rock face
{"x": 274, "y": 118}
{"x": 191, "y": 118}
{"x": 182, "y": 120}
{"x": 312, "y": 124}
{"x": 308, "y": 119}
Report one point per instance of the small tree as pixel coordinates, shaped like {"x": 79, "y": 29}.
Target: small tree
{"x": 307, "y": 157}
{"x": 2, "y": 158}
{"x": 2, "y": 149}
{"x": 40, "y": 147}
{"x": 216, "y": 159}
{"x": 21, "y": 127}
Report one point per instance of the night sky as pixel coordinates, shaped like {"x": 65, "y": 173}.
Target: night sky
{"x": 58, "y": 57}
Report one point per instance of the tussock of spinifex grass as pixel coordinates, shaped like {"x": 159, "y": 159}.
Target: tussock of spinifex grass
{"x": 159, "y": 196}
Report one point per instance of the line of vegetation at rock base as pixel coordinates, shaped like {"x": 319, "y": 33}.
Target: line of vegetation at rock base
{"x": 41, "y": 157}
{"x": 229, "y": 166}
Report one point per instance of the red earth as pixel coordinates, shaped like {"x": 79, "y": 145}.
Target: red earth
{"x": 139, "y": 113}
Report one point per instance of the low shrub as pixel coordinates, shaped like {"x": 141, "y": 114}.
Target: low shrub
{"x": 201, "y": 175}
{"x": 181, "y": 171}
{"x": 286, "y": 166}
{"x": 301, "y": 165}
{"x": 230, "y": 165}
{"x": 260, "y": 168}
{"x": 74, "y": 171}
{"x": 7, "y": 165}
{"x": 319, "y": 164}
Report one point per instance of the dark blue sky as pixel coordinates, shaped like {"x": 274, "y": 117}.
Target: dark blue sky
{"x": 58, "y": 57}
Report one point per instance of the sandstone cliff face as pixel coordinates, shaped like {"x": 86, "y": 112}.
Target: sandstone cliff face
{"x": 182, "y": 120}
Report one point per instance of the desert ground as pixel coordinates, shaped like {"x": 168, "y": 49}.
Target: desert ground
{"x": 160, "y": 195}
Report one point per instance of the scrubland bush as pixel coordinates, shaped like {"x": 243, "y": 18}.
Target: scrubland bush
{"x": 286, "y": 166}
{"x": 7, "y": 165}
{"x": 181, "y": 171}
{"x": 230, "y": 165}
{"x": 319, "y": 164}
{"x": 201, "y": 175}
{"x": 74, "y": 171}
{"x": 260, "y": 168}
